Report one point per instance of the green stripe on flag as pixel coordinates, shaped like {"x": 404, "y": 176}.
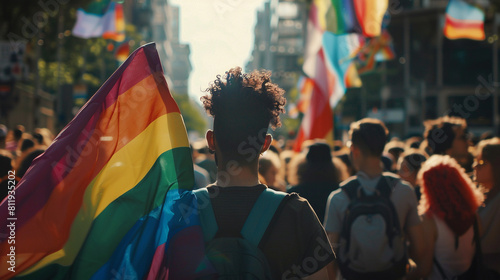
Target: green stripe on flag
{"x": 115, "y": 221}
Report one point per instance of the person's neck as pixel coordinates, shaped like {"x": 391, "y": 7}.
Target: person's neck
{"x": 236, "y": 175}
{"x": 372, "y": 167}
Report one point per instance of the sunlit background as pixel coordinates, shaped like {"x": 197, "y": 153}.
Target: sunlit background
{"x": 404, "y": 64}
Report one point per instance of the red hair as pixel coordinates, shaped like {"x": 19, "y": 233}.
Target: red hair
{"x": 448, "y": 193}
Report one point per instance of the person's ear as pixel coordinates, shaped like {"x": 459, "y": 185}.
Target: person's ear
{"x": 210, "y": 139}
{"x": 355, "y": 151}
{"x": 267, "y": 143}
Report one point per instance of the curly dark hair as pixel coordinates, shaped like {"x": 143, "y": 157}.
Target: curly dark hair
{"x": 243, "y": 107}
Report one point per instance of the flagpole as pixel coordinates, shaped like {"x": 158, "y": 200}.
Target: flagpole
{"x": 407, "y": 52}
{"x": 60, "y": 37}
{"x": 496, "y": 117}
{"x": 439, "y": 54}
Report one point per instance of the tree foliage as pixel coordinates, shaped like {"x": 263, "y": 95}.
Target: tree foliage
{"x": 192, "y": 116}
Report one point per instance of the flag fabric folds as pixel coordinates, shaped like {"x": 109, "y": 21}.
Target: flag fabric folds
{"x": 318, "y": 120}
{"x": 370, "y": 14}
{"x": 339, "y": 52}
{"x": 305, "y": 86}
{"x": 464, "y": 21}
{"x": 122, "y": 52}
{"x": 111, "y": 197}
{"x": 94, "y": 23}
{"x": 374, "y": 50}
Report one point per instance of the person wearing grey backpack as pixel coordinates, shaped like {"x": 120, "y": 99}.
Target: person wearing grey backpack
{"x": 373, "y": 215}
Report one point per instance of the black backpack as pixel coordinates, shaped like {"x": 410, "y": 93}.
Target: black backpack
{"x": 371, "y": 241}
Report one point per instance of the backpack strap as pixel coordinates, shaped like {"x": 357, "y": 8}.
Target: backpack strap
{"x": 386, "y": 184}
{"x": 261, "y": 215}
{"x": 350, "y": 187}
{"x": 440, "y": 269}
{"x": 207, "y": 216}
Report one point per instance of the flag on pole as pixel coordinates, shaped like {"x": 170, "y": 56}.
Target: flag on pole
{"x": 95, "y": 22}
{"x": 386, "y": 51}
{"x": 339, "y": 52}
{"x": 375, "y": 50}
{"x": 318, "y": 120}
{"x": 111, "y": 197}
{"x": 316, "y": 26}
{"x": 122, "y": 52}
{"x": 370, "y": 15}
{"x": 305, "y": 86}
{"x": 341, "y": 17}
{"x": 464, "y": 21}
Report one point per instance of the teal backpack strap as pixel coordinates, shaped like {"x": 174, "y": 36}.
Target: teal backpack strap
{"x": 261, "y": 215}
{"x": 207, "y": 216}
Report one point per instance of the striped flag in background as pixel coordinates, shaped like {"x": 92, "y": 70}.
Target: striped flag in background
{"x": 464, "y": 21}
{"x": 111, "y": 197}
{"x": 97, "y": 22}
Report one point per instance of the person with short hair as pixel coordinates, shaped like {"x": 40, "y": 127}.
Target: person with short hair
{"x": 269, "y": 171}
{"x": 243, "y": 107}
{"x": 448, "y": 136}
{"x": 368, "y": 138}
{"x": 17, "y": 134}
{"x": 409, "y": 164}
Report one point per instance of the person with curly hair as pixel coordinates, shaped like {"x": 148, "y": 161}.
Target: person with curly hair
{"x": 487, "y": 175}
{"x": 448, "y": 206}
{"x": 243, "y": 107}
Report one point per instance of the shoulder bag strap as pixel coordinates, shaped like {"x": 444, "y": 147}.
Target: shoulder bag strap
{"x": 207, "y": 216}
{"x": 261, "y": 215}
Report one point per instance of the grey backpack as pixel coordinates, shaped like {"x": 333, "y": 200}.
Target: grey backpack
{"x": 372, "y": 243}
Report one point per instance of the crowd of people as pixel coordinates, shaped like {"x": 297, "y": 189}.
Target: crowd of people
{"x": 18, "y": 148}
{"x": 442, "y": 187}
{"x": 419, "y": 208}
{"x": 449, "y": 177}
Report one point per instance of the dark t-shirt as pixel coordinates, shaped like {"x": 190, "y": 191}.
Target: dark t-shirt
{"x": 295, "y": 244}
{"x": 317, "y": 195}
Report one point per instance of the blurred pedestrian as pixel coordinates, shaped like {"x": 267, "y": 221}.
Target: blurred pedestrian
{"x": 409, "y": 165}
{"x": 373, "y": 215}
{"x": 448, "y": 206}
{"x": 448, "y": 136}
{"x": 270, "y": 171}
{"x": 317, "y": 177}
{"x": 487, "y": 175}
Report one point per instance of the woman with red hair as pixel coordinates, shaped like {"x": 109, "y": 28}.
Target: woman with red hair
{"x": 448, "y": 206}
{"x": 487, "y": 175}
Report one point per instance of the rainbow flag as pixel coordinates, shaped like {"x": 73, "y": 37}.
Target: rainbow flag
{"x": 339, "y": 52}
{"x": 375, "y": 50}
{"x": 386, "y": 51}
{"x": 340, "y": 17}
{"x": 96, "y": 22}
{"x": 370, "y": 15}
{"x": 464, "y": 21}
{"x": 359, "y": 16}
{"x": 111, "y": 197}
